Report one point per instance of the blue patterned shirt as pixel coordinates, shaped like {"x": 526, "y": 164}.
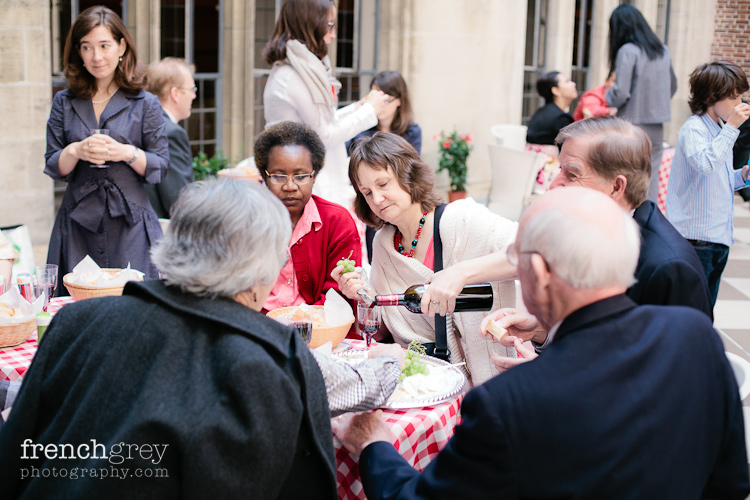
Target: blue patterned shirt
{"x": 700, "y": 193}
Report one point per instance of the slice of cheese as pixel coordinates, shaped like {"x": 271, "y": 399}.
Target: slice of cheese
{"x": 495, "y": 329}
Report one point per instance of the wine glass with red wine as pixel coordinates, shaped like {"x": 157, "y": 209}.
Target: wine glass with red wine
{"x": 368, "y": 319}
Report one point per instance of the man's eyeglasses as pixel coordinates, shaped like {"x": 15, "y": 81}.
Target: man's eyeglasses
{"x": 188, "y": 89}
{"x": 331, "y": 27}
{"x": 299, "y": 179}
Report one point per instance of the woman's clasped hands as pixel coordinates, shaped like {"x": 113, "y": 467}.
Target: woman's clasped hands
{"x": 100, "y": 149}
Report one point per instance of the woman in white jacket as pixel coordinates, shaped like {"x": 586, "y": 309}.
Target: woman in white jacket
{"x": 301, "y": 88}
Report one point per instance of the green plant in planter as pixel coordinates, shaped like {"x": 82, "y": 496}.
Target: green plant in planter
{"x": 454, "y": 151}
{"x": 206, "y": 168}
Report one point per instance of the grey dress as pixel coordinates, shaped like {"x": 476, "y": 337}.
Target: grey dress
{"x": 105, "y": 212}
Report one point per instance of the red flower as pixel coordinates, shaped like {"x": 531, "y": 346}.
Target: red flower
{"x": 447, "y": 145}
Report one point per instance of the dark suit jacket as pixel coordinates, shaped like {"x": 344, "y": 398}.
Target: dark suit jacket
{"x": 236, "y": 397}
{"x": 628, "y": 402}
{"x": 669, "y": 271}
{"x": 546, "y": 123}
{"x": 163, "y": 195}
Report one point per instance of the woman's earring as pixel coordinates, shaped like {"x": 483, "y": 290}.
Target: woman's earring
{"x": 255, "y": 297}
{"x": 120, "y": 58}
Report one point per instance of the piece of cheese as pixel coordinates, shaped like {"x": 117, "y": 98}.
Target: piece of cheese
{"x": 495, "y": 329}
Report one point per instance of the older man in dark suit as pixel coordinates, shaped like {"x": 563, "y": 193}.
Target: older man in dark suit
{"x": 628, "y": 401}
{"x": 171, "y": 80}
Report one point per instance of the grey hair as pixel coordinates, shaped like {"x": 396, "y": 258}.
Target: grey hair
{"x": 586, "y": 254}
{"x": 225, "y": 237}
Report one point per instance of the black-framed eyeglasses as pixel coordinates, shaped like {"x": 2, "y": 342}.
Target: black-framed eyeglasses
{"x": 299, "y": 179}
{"x": 331, "y": 27}
{"x": 512, "y": 255}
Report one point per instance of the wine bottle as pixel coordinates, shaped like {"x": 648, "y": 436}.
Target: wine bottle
{"x": 477, "y": 297}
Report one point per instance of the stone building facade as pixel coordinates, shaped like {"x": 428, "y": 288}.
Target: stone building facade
{"x": 467, "y": 64}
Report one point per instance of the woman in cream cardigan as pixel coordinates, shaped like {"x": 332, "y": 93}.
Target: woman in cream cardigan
{"x": 395, "y": 192}
{"x": 301, "y": 88}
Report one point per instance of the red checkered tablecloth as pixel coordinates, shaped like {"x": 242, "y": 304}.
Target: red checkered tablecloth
{"x": 420, "y": 433}
{"x": 666, "y": 166}
{"x": 14, "y": 361}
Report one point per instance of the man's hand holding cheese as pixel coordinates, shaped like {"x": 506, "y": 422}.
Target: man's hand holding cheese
{"x": 517, "y": 323}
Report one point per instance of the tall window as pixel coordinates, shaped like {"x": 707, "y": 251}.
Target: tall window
{"x": 536, "y": 36}
{"x": 201, "y": 47}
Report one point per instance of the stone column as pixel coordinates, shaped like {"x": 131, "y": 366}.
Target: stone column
{"x": 560, "y": 28}
{"x": 237, "y": 73}
{"x": 464, "y": 68}
{"x": 25, "y": 98}
{"x": 599, "y": 59}
{"x": 691, "y": 32}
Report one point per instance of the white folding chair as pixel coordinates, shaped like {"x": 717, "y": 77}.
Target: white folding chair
{"x": 510, "y": 136}
{"x": 513, "y": 175}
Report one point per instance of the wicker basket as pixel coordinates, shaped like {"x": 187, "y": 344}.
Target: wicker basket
{"x": 320, "y": 334}
{"x": 16, "y": 333}
{"x": 80, "y": 292}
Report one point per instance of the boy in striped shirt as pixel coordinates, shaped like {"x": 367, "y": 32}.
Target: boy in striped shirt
{"x": 700, "y": 194}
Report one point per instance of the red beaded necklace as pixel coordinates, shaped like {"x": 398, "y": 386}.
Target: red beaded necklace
{"x": 398, "y": 237}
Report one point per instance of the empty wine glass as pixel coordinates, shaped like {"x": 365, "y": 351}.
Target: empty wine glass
{"x": 368, "y": 319}
{"x": 102, "y": 131}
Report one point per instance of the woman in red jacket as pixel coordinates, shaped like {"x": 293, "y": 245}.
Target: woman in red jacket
{"x": 289, "y": 155}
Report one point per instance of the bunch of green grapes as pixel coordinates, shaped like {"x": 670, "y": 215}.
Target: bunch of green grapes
{"x": 348, "y": 264}
{"x": 413, "y": 363}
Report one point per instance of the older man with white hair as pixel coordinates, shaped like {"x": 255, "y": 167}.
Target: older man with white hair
{"x": 628, "y": 401}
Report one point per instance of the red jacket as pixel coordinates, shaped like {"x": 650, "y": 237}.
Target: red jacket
{"x": 315, "y": 254}
{"x": 596, "y": 102}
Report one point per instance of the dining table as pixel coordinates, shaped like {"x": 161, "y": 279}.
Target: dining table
{"x": 417, "y": 433}
{"x": 15, "y": 360}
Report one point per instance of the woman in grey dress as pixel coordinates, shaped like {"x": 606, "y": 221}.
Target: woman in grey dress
{"x": 644, "y": 81}
{"x": 105, "y": 212}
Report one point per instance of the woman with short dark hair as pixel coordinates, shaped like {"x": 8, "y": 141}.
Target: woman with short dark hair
{"x": 301, "y": 88}
{"x": 289, "y": 157}
{"x": 396, "y": 192}
{"x": 644, "y": 82}
{"x": 105, "y": 212}
{"x": 558, "y": 92}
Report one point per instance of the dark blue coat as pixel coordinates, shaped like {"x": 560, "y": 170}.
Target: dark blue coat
{"x": 163, "y": 195}
{"x": 627, "y": 402}
{"x": 236, "y": 397}
{"x": 669, "y": 271}
{"x": 105, "y": 212}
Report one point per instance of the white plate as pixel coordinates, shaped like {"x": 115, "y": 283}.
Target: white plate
{"x": 455, "y": 386}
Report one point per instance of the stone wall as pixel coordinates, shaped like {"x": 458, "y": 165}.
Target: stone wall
{"x": 25, "y": 98}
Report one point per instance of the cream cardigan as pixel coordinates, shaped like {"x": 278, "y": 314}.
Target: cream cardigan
{"x": 467, "y": 230}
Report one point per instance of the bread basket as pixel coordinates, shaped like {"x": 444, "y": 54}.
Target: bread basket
{"x": 16, "y": 333}
{"x": 81, "y": 292}
{"x": 320, "y": 334}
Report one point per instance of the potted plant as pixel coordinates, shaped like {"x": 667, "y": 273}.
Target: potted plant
{"x": 454, "y": 151}
{"x": 206, "y": 168}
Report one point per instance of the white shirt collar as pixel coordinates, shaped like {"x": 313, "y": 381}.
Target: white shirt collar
{"x": 170, "y": 115}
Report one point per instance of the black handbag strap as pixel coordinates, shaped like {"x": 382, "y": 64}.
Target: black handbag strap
{"x": 441, "y": 329}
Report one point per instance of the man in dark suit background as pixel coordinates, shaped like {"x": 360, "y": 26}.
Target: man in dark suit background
{"x": 627, "y": 401}
{"x": 171, "y": 80}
